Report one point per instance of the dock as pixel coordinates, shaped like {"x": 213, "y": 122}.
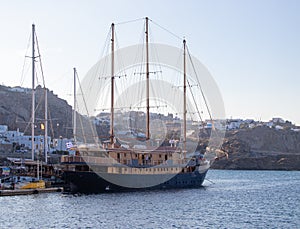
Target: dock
{"x": 18, "y": 192}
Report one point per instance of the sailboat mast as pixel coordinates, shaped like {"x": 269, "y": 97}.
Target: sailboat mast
{"x": 46, "y": 127}
{"x": 112, "y": 83}
{"x": 74, "y": 115}
{"x": 184, "y": 95}
{"x": 33, "y": 94}
{"x": 147, "y": 84}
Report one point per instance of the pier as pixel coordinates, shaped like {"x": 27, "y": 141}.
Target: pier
{"x": 29, "y": 191}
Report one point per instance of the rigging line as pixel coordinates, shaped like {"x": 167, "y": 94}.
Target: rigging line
{"x": 39, "y": 56}
{"x": 99, "y": 71}
{"x": 51, "y": 123}
{"x": 202, "y": 93}
{"x": 91, "y": 126}
{"x": 104, "y": 55}
{"x": 39, "y": 103}
{"x": 23, "y": 69}
{"x": 139, "y": 58}
{"x": 80, "y": 117}
{"x": 82, "y": 129}
{"x": 130, "y": 21}
{"x": 194, "y": 100}
{"x": 27, "y": 126}
{"x": 105, "y": 49}
{"x": 176, "y": 74}
{"x": 105, "y": 46}
{"x": 155, "y": 51}
{"x": 83, "y": 98}
{"x": 30, "y": 121}
{"x": 163, "y": 28}
{"x": 120, "y": 60}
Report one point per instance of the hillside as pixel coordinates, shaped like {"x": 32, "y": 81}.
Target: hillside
{"x": 15, "y": 111}
{"x": 261, "y": 148}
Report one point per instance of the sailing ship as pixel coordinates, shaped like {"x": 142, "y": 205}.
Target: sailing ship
{"x": 111, "y": 165}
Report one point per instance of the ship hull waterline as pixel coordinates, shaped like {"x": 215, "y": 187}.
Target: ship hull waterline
{"x": 88, "y": 182}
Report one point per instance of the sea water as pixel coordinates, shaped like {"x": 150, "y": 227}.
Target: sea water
{"x": 229, "y": 199}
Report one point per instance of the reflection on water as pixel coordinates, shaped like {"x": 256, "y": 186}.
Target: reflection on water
{"x": 235, "y": 199}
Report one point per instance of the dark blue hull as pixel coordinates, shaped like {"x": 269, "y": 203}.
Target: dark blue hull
{"x": 91, "y": 182}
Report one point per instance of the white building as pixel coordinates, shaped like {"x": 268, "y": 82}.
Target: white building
{"x": 233, "y": 124}
{"x": 12, "y": 134}
{"x": 3, "y": 129}
{"x": 25, "y": 141}
{"x": 277, "y": 120}
{"x": 20, "y": 89}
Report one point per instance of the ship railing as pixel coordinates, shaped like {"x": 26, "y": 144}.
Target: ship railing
{"x": 72, "y": 159}
{"x": 127, "y": 162}
{"x": 87, "y": 159}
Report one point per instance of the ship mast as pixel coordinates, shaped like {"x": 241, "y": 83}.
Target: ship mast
{"x": 112, "y": 84}
{"x": 46, "y": 127}
{"x": 184, "y": 95}
{"x": 33, "y": 94}
{"x": 74, "y": 115}
{"x": 147, "y": 84}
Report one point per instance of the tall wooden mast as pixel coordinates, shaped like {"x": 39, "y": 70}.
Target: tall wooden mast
{"x": 184, "y": 95}
{"x": 74, "y": 114}
{"x": 33, "y": 93}
{"x": 46, "y": 127}
{"x": 112, "y": 84}
{"x": 147, "y": 84}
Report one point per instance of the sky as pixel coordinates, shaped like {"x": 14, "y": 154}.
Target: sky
{"x": 251, "y": 48}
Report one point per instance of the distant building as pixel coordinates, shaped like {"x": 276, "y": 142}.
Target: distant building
{"x": 3, "y": 129}
{"x": 277, "y": 120}
{"x": 61, "y": 144}
{"x": 269, "y": 124}
{"x": 233, "y": 124}
{"x": 20, "y": 89}
{"x": 25, "y": 141}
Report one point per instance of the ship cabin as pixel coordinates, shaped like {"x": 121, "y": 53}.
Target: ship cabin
{"x": 136, "y": 157}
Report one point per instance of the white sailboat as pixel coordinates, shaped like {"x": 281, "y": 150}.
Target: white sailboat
{"x": 39, "y": 183}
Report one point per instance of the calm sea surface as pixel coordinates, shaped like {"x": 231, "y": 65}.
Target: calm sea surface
{"x": 230, "y": 199}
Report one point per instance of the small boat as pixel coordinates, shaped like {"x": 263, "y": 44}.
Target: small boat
{"x": 109, "y": 164}
{"x": 34, "y": 185}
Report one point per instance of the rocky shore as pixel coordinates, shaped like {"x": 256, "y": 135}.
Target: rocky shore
{"x": 260, "y": 148}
